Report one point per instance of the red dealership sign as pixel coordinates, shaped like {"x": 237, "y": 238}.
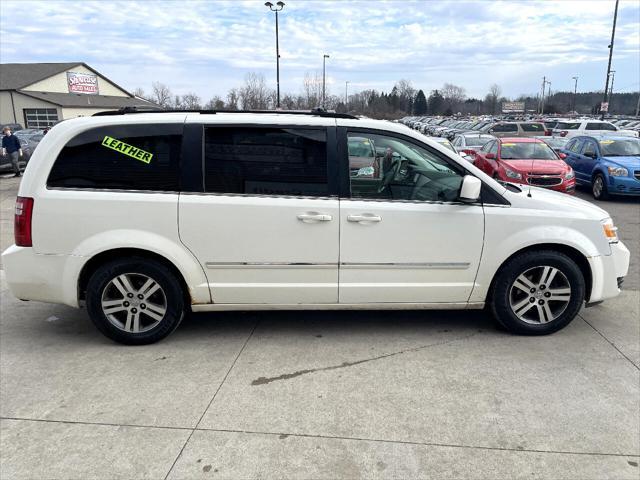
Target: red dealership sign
{"x": 82, "y": 83}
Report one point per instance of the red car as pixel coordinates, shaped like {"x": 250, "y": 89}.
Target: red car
{"x": 528, "y": 161}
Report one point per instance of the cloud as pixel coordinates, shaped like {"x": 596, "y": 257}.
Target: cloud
{"x": 208, "y": 47}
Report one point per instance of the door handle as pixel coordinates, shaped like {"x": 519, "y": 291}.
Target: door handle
{"x": 364, "y": 218}
{"x": 313, "y": 217}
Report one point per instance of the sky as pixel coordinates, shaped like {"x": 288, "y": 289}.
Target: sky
{"x": 207, "y": 47}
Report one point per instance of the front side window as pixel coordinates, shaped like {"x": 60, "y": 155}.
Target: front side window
{"x": 121, "y": 157}
{"x": 589, "y": 148}
{"x": 574, "y": 146}
{"x": 266, "y": 161}
{"x": 402, "y": 170}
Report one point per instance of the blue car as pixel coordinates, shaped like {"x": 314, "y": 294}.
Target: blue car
{"x": 609, "y": 164}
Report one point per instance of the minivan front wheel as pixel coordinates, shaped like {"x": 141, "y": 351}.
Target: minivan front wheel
{"x": 537, "y": 293}
{"x": 135, "y": 301}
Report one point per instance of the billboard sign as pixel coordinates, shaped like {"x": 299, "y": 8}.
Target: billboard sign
{"x": 604, "y": 106}
{"x": 512, "y": 107}
{"x": 82, "y": 83}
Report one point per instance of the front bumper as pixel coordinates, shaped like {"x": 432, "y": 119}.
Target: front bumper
{"x": 624, "y": 186}
{"x": 607, "y": 272}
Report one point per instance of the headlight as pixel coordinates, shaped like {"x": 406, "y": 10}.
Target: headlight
{"x": 610, "y": 230}
{"x": 618, "y": 172}
{"x": 569, "y": 175}
{"x": 512, "y": 174}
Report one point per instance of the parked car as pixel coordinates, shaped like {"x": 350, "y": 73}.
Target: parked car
{"x": 557, "y": 143}
{"x": 515, "y": 129}
{"x": 609, "y": 164}
{"x": 444, "y": 142}
{"x": 248, "y": 211}
{"x": 527, "y": 161}
{"x": 471, "y": 142}
{"x": 589, "y": 127}
{"x": 15, "y": 127}
{"x": 5, "y": 160}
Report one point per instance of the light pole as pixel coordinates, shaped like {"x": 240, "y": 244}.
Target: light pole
{"x": 613, "y": 35}
{"x": 575, "y": 92}
{"x": 346, "y": 95}
{"x": 613, "y": 76}
{"x": 279, "y": 6}
{"x": 324, "y": 76}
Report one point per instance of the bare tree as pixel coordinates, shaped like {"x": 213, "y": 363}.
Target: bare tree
{"x": 161, "y": 95}
{"x": 191, "y": 101}
{"x": 254, "y": 94}
{"x": 491, "y": 100}
{"x": 312, "y": 90}
{"x": 139, "y": 92}
{"x": 406, "y": 93}
{"x": 216, "y": 103}
{"x": 232, "y": 99}
{"x": 453, "y": 95}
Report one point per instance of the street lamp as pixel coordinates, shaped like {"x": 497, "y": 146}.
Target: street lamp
{"x": 279, "y": 6}
{"x": 575, "y": 92}
{"x": 324, "y": 76}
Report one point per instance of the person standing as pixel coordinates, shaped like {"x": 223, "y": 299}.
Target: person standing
{"x": 11, "y": 146}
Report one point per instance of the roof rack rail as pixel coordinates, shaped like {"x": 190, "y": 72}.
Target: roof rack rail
{"x": 319, "y": 112}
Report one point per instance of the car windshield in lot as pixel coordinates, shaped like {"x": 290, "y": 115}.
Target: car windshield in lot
{"x": 555, "y": 142}
{"x": 620, "y": 148}
{"x": 477, "y": 141}
{"x": 529, "y": 150}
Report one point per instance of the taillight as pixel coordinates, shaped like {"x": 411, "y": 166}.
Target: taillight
{"x": 547, "y": 133}
{"x": 22, "y": 223}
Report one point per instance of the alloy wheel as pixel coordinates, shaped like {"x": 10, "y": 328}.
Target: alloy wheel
{"x": 134, "y": 302}
{"x": 540, "y": 295}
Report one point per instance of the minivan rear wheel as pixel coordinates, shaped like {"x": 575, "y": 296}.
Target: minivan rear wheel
{"x": 537, "y": 293}
{"x": 135, "y": 301}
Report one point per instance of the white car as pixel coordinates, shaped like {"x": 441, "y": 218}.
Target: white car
{"x": 141, "y": 217}
{"x": 572, "y": 128}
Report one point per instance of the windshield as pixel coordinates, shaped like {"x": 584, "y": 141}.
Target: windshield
{"x": 529, "y": 150}
{"x": 447, "y": 144}
{"x": 478, "y": 141}
{"x": 620, "y": 148}
{"x": 556, "y": 142}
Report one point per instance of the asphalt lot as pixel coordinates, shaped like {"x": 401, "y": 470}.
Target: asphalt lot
{"x": 323, "y": 395}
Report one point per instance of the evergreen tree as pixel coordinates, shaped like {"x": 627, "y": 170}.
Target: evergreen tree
{"x": 420, "y": 104}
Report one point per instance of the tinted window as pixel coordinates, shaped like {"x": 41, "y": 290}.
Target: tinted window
{"x": 402, "y": 170}
{"x": 600, "y": 126}
{"x": 506, "y": 127}
{"x": 567, "y": 126}
{"x": 126, "y": 157}
{"x": 266, "y": 161}
{"x": 533, "y": 127}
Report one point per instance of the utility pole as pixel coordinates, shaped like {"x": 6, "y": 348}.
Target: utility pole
{"x": 613, "y": 34}
{"x": 545, "y": 82}
{"x": 324, "y": 77}
{"x": 575, "y": 92}
{"x": 346, "y": 95}
{"x": 280, "y": 6}
{"x": 638, "y": 106}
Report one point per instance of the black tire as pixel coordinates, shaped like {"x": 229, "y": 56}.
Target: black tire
{"x": 137, "y": 268}
{"x": 500, "y": 294}
{"x": 603, "y": 192}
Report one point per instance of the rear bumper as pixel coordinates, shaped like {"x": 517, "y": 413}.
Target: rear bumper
{"x": 45, "y": 278}
{"x": 608, "y": 272}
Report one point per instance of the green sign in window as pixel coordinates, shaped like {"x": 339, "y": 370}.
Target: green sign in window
{"x": 126, "y": 149}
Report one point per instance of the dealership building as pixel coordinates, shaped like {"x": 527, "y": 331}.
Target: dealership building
{"x": 37, "y": 95}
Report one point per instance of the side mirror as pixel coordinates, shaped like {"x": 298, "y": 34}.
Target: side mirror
{"x": 562, "y": 156}
{"x": 490, "y": 156}
{"x": 470, "y": 191}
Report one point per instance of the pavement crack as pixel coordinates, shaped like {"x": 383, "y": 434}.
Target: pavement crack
{"x": 288, "y": 376}
{"x": 610, "y": 342}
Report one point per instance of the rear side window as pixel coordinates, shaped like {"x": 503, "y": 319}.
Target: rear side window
{"x": 532, "y": 127}
{"x": 600, "y": 126}
{"x": 567, "y": 125}
{"x": 266, "y": 161}
{"x": 505, "y": 127}
{"x": 121, "y": 157}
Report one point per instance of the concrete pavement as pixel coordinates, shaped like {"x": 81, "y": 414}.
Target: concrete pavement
{"x": 322, "y": 395}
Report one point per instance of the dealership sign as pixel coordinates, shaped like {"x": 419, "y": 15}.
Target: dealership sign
{"x": 82, "y": 83}
{"x": 509, "y": 107}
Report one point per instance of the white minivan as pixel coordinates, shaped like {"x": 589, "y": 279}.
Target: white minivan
{"x": 143, "y": 217}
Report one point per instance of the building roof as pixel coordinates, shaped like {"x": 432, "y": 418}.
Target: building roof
{"x": 81, "y": 100}
{"x": 14, "y": 76}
